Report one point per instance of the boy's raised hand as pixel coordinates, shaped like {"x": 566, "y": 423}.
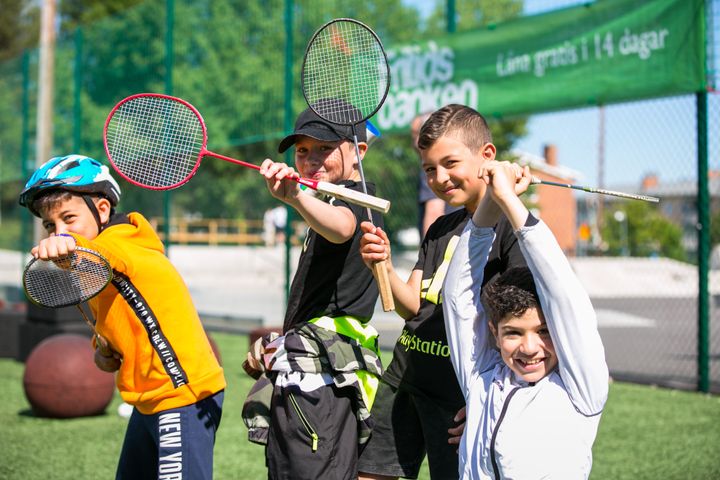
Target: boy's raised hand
{"x": 54, "y": 247}
{"x": 506, "y": 182}
{"x": 500, "y": 178}
{"x": 277, "y": 177}
{"x": 505, "y": 179}
{"x": 374, "y": 244}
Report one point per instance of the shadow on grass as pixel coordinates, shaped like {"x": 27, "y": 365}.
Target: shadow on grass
{"x": 29, "y": 413}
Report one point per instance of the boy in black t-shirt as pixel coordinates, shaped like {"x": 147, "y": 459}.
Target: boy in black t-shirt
{"x": 324, "y": 369}
{"x": 419, "y": 400}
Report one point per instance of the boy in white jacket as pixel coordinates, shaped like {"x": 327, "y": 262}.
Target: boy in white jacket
{"x": 529, "y": 358}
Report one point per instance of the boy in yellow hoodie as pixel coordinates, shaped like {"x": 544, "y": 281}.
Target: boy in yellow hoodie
{"x": 166, "y": 366}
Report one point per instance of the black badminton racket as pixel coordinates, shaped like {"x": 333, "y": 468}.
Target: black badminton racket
{"x": 68, "y": 281}
{"x": 632, "y": 196}
{"x": 157, "y": 141}
{"x": 345, "y": 80}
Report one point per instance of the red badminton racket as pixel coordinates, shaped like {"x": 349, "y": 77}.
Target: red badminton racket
{"x": 157, "y": 141}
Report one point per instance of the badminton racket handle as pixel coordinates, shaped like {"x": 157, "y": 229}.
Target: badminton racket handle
{"x": 103, "y": 346}
{"x": 351, "y": 196}
{"x": 380, "y": 272}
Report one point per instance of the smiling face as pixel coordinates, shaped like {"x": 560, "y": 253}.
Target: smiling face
{"x": 525, "y": 345}
{"x": 70, "y": 214}
{"x": 327, "y": 161}
{"x": 451, "y": 169}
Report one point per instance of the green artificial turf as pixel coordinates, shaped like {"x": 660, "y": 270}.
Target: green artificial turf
{"x": 645, "y": 433}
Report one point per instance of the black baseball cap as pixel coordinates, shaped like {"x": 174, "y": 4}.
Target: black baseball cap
{"x": 312, "y": 125}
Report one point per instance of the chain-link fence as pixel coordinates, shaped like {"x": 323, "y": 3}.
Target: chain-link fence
{"x": 659, "y": 310}
{"x": 648, "y": 268}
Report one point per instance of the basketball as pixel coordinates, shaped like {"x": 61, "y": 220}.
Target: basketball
{"x": 62, "y": 381}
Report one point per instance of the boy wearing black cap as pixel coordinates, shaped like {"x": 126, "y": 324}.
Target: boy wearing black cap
{"x": 323, "y": 371}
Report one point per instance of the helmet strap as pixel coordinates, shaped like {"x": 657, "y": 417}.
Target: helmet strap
{"x": 91, "y": 205}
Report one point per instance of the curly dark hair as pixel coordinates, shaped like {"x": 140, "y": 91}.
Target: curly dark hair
{"x": 460, "y": 121}
{"x": 511, "y": 294}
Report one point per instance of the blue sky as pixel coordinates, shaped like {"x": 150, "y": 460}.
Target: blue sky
{"x": 649, "y": 137}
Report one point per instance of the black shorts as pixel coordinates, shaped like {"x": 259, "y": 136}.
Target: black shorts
{"x": 407, "y": 427}
{"x": 291, "y": 451}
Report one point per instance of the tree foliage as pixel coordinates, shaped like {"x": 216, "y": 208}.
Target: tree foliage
{"x": 229, "y": 62}
{"x": 472, "y": 14}
{"x": 715, "y": 228}
{"x": 643, "y": 231}
{"x": 19, "y": 29}
{"x": 77, "y": 12}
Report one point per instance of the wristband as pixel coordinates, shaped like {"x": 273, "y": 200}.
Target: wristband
{"x": 69, "y": 236}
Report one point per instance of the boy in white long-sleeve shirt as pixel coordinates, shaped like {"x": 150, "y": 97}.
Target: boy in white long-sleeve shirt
{"x": 529, "y": 357}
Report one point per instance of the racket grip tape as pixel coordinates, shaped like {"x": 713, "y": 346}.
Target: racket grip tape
{"x": 103, "y": 346}
{"x": 380, "y": 272}
{"x": 353, "y": 196}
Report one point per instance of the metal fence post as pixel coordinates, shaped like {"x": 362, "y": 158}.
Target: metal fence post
{"x": 288, "y": 125}
{"x": 77, "y": 81}
{"x": 25, "y": 218}
{"x": 451, "y": 23}
{"x": 169, "y": 64}
{"x": 703, "y": 226}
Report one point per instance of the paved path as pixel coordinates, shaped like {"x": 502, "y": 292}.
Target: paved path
{"x": 245, "y": 286}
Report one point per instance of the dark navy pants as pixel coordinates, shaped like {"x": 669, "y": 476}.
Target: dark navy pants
{"x": 171, "y": 445}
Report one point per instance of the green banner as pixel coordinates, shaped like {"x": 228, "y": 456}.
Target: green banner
{"x": 599, "y": 53}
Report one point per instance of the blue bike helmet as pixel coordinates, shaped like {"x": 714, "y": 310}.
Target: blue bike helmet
{"x": 75, "y": 173}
